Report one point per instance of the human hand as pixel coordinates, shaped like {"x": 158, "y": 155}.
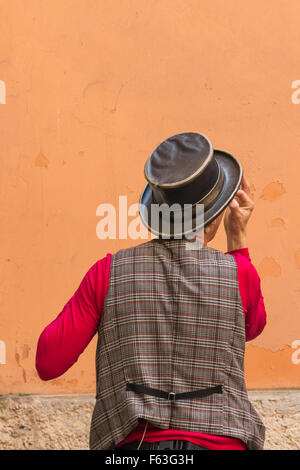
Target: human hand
{"x": 238, "y": 214}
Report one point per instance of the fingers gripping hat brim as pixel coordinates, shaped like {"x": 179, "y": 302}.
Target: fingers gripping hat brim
{"x": 232, "y": 173}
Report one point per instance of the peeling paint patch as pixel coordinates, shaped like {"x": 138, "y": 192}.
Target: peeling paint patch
{"x": 41, "y": 161}
{"x": 17, "y": 357}
{"x": 269, "y": 267}
{"x": 58, "y": 381}
{"x": 273, "y": 191}
{"x": 73, "y": 382}
{"x": 278, "y": 222}
{"x": 271, "y": 369}
{"x": 25, "y": 351}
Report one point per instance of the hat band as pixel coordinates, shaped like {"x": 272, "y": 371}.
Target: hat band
{"x": 210, "y": 197}
{"x": 192, "y": 192}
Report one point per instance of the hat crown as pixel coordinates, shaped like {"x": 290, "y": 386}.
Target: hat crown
{"x": 188, "y": 184}
{"x": 178, "y": 159}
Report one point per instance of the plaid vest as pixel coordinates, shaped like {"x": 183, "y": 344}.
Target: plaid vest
{"x": 172, "y": 320}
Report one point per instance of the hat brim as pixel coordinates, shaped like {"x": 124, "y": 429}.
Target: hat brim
{"x": 232, "y": 172}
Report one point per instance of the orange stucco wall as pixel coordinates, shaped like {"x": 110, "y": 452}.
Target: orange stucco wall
{"x": 91, "y": 87}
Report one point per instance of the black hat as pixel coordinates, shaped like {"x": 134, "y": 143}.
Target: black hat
{"x": 185, "y": 169}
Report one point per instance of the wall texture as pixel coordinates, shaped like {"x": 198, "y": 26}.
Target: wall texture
{"x": 88, "y": 89}
{"x": 63, "y": 421}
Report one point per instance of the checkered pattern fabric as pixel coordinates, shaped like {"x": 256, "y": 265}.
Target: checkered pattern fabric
{"x": 172, "y": 320}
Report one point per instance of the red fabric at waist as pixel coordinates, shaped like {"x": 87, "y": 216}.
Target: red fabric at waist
{"x": 208, "y": 441}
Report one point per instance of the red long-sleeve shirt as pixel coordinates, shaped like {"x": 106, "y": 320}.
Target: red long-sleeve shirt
{"x": 62, "y": 341}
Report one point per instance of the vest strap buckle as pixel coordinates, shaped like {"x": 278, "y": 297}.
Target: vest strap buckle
{"x": 171, "y": 396}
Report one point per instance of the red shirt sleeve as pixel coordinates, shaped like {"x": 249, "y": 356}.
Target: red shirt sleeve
{"x": 62, "y": 341}
{"x": 251, "y": 295}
